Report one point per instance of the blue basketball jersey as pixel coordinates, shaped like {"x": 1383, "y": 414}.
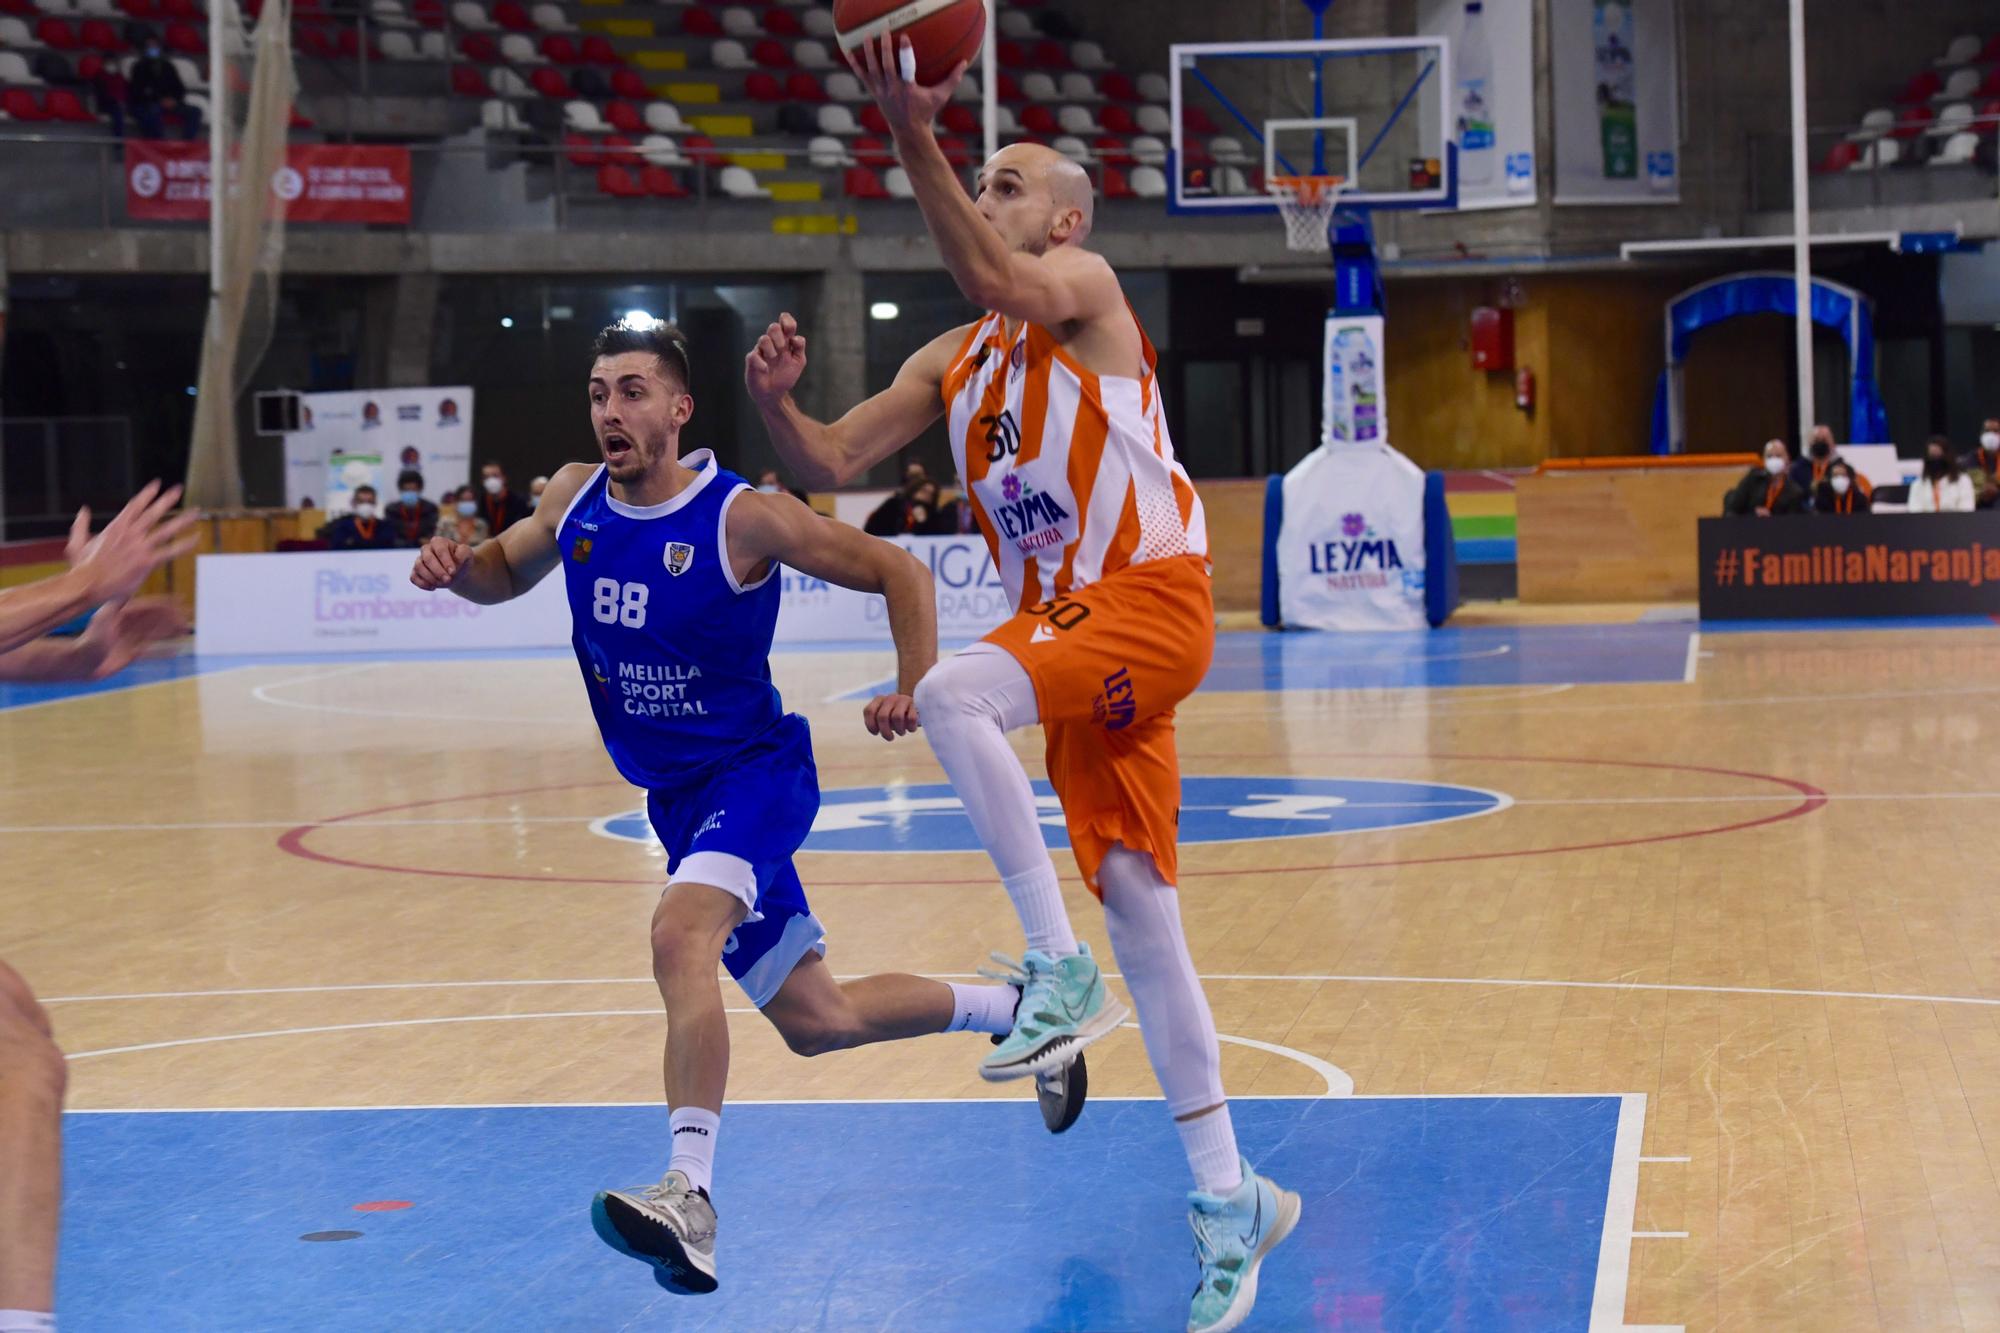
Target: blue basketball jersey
{"x": 676, "y": 654}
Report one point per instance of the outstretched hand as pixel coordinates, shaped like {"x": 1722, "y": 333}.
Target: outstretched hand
{"x": 118, "y": 634}
{"x": 774, "y": 365}
{"x": 887, "y": 69}
{"x": 145, "y": 535}
{"x": 890, "y": 716}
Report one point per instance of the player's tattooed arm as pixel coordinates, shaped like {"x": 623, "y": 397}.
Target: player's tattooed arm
{"x": 510, "y": 564}
{"x": 776, "y": 529}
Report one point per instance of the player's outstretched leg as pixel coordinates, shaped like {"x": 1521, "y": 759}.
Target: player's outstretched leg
{"x": 31, "y": 1092}
{"x": 1238, "y": 1216}
{"x": 969, "y": 703}
{"x": 672, "y": 1225}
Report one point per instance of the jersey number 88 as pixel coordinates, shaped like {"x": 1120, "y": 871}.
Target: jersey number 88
{"x": 614, "y": 603}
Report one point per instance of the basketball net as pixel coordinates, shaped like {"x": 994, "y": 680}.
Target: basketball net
{"x": 1306, "y": 203}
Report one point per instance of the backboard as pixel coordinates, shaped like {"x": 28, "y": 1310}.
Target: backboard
{"x": 1375, "y": 111}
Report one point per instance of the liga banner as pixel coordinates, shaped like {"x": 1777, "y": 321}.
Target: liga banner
{"x": 1809, "y": 565}
{"x": 971, "y": 601}
{"x": 167, "y": 181}
{"x": 367, "y": 437}
{"x": 1616, "y": 80}
{"x": 1351, "y": 550}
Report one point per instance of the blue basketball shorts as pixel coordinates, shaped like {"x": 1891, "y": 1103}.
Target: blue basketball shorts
{"x": 735, "y": 828}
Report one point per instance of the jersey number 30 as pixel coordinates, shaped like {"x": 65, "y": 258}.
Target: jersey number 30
{"x": 619, "y": 604}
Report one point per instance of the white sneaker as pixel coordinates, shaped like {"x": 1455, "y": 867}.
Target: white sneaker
{"x": 670, "y": 1225}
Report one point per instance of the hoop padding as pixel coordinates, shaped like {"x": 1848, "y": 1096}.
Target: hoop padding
{"x": 1306, "y": 203}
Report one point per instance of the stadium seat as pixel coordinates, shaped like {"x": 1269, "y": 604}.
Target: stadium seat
{"x": 1049, "y": 55}
{"x": 1115, "y": 185}
{"x": 842, "y": 86}
{"x": 619, "y": 182}
{"x": 699, "y": 21}
{"x": 137, "y": 9}
{"x": 1961, "y": 84}
{"x": 661, "y": 151}
{"x": 661, "y": 183}
{"x": 506, "y": 83}
{"x": 1874, "y": 125}
{"x": 1958, "y": 150}
{"x": 1953, "y": 119}
{"x": 873, "y": 120}
{"x": 480, "y": 47}
{"x": 87, "y": 69}
{"x": 20, "y": 104}
{"x": 818, "y": 22}
{"x": 772, "y": 54}
{"x": 1882, "y": 153}
{"x": 1155, "y": 88}
{"x": 384, "y": 13}
{"x": 1225, "y": 148}
{"x": 628, "y": 84}
{"x": 582, "y": 150}
{"x": 348, "y": 45}
{"x": 550, "y": 18}
{"x": 517, "y": 48}
{"x": 399, "y": 46}
{"x": 97, "y": 8}
{"x": 54, "y": 67}
{"x": 1112, "y": 151}
{"x": 1039, "y": 87}
{"x": 1148, "y": 183}
{"x": 701, "y": 150}
{"x": 804, "y": 89}
{"x": 1003, "y": 117}
{"x": 967, "y": 90}
{"x": 625, "y": 118}
{"x": 860, "y": 183}
{"x": 1964, "y": 49}
{"x": 500, "y": 117}
{"x": 1038, "y": 119}
{"x": 1077, "y": 120}
{"x": 58, "y": 34}
{"x": 1079, "y": 87}
{"x": 826, "y": 152}
{"x": 510, "y": 15}
{"x": 19, "y": 8}
{"x": 430, "y": 46}
{"x": 1073, "y": 148}
{"x": 313, "y": 41}
{"x": 559, "y": 49}
{"x": 551, "y": 84}
{"x": 1118, "y": 87}
{"x": 1990, "y": 85}
{"x": 619, "y": 148}
{"x": 598, "y": 50}
{"x": 1912, "y": 121}
{"x": 730, "y": 54}
{"x": 872, "y": 153}
{"x": 738, "y": 21}
{"x": 739, "y": 183}
{"x": 1090, "y": 56}
{"x": 1988, "y": 121}
{"x": 956, "y": 151}
{"x": 1921, "y": 87}
{"x": 812, "y": 54}
{"x": 590, "y": 84}
{"x": 897, "y": 182}
{"x": 584, "y": 117}
{"x": 428, "y": 13}
{"x": 1010, "y": 54}
{"x": 62, "y": 104}
{"x": 763, "y": 87}
{"x": 1010, "y": 87}
{"x": 960, "y": 119}
{"x": 467, "y": 81}
{"x": 664, "y": 118}
{"x": 1117, "y": 120}
{"x": 783, "y": 23}
{"x": 1194, "y": 120}
{"x": 1016, "y": 24}
{"x": 1150, "y": 120}
{"x": 1841, "y": 156}
{"x": 14, "y": 32}
{"x": 471, "y": 17}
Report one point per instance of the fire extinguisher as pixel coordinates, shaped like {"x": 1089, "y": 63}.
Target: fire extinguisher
{"x": 1524, "y": 389}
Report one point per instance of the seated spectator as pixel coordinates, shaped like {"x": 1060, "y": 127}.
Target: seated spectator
{"x": 154, "y": 91}
{"x": 361, "y": 528}
{"x": 1769, "y": 489}
{"x": 1944, "y": 488}
{"x": 892, "y": 517}
{"x": 914, "y": 474}
{"x": 535, "y": 489}
{"x": 1983, "y": 464}
{"x": 414, "y": 518}
{"x": 108, "y": 96}
{"x": 501, "y": 508}
{"x": 1841, "y": 492}
{"x": 461, "y": 521}
{"x": 955, "y": 517}
{"x": 770, "y": 483}
{"x": 1810, "y": 471}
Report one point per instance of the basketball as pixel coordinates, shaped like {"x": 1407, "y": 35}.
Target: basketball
{"x": 941, "y": 32}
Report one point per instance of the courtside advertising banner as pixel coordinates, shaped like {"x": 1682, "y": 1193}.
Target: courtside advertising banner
{"x": 1616, "y": 78}
{"x": 1354, "y": 407}
{"x": 970, "y": 598}
{"x": 367, "y": 438}
{"x": 1351, "y": 550}
{"x": 1493, "y": 97}
{"x": 1811, "y": 566}
{"x": 168, "y": 182}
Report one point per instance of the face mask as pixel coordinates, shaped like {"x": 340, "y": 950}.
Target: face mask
{"x": 1990, "y": 441}
{"x": 1821, "y": 449}
{"x": 1840, "y": 485}
{"x": 412, "y": 498}
{"x": 364, "y": 510}
{"x": 467, "y": 509}
{"x": 534, "y": 502}
{"x": 1774, "y": 465}
{"x": 767, "y": 490}
{"x": 494, "y": 485}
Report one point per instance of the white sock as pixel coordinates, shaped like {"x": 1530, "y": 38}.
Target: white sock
{"x": 1210, "y": 1143}
{"x": 982, "y": 1008}
{"x": 968, "y": 704}
{"x": 27, "y": 1321}
{"x": 694, "y": 1144}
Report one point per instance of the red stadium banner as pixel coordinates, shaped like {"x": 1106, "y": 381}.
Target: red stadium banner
{"x": 168, "y": 182}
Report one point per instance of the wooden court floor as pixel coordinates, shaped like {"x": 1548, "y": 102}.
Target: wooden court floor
{"x": 1764, "y": 898}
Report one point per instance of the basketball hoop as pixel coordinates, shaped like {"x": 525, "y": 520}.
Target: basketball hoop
{"x": 1306, "y": 203}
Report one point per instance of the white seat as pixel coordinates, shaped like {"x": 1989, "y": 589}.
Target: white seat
{"x": 430, "y": 45}
{"x": 827, "y": 152}
{"x": 812, "y": 54}
{"x": 98, "y": 9}
{"x": 517, "y": 48}
{"x": 1957, "y": 151}
{"x": 1071, "y": 147}
{"x": 1959, "y": 85}
{"x": 398, "y": 45}
{"x": 13, "y": 32}
{"x": 1154, "y": 88}
{"x": 193, "y": 77}
{"x": 1154, "y": 120}
{"x": 897, "y": 182}
{"x": 472, "y": 17}
{"x": 1874, "y": 125}
{"x": 1080, "y": 88}
{"x": 1077, "y": 120}
{"x": 550, "y": 18}
{"x": 1231, "y": 180}
{"x": 1005, "y": 120}
{"x": 583, "y": 117}
{"x": 1149, "y": 150}
{"x": 1881, "y": 153}
{"x": 507, "y": 83}
{"x": 818, "y": 22}
{"x": 730, "y": 54}
{"x": 1964, "y": 49}
{"x": 390, "y": 14}
{"x": 1016, "y": 25}
{"x": 1148, "y": 182}
{"x": 60, "y": 8}
{"x": 1951, "y": 120}
{"x": 837, "y": 119}
{"x": 738, "y": 21}
{"x": 14, "y": 68}
{"x": 1225, "y": 149}
{"x": 1088, "y": 55}
{"x": 498, "y": 116}
{"x": 738, "y": 183}
{"x": 842, "y": 86}
{"x": 661, "y": 151}
{"x": 1039, "y": 87}
{"x": 664, "y": 118}
{"x": 968, "y": 89}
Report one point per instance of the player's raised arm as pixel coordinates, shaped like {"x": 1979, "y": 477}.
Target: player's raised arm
{"x": 510, "y": 564}
{"x": 766, "y": 529}
{"x": 835, "y": 453}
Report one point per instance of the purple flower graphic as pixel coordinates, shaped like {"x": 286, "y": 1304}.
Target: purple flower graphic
{"x": 1010, "y": 486}
{"x": 1353, "y": 525}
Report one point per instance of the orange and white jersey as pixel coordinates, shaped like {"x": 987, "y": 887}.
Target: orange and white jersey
{"x": 1072, "y": 474}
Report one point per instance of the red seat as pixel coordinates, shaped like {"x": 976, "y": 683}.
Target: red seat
{"x": 1115, "y": 184}
{"x": 467, "y": 81}
{"x": 625, "y": 118}
{"x": 1112, "y": 151}
{"x": 699, "y": 21}
{"x": 1049, "y": 55}
{"x": 314, "y": 42}
{"x": 803, "y": 87}
{"x": 781, "y": 22}
{"x": 1912, "y": 121}
{"x": 19, "y": 8}
{"x": 184, "y": 10}
{"x": 430, "y": 13}
{"x": 582, "y": 150}
{"x": 599, "y": 51}
{"x": 1040, "y": 120}
{"x": 1991, "y": 54}
{"x": 560, "y": 49}
{"x": 1988, "y": 120}
{"x": 762, "y": 87}
{"x": 772, "y": 54}
{"x": 1119, "y": 87}
{"x": 626, "y": 83}
{"x": 20, "y": 104}
{"x": 700, "y": 149}
{"x": 1010, "y": 54}
{"x": 873, "y": 120}
{"x": 1117, "y": 120}
{"x": 140, "y": 9}
{"x": 1842, "y": 156}
{"x": 959, "y": 118}
{"x": 89, "y": 68}
{"x": 1923, "y": 86}
{"x": 956, "y": 151}
{"x": 618, "y": 148}
{"x": 1009, "y": 86}
{"x": 1195, "y": 121}
{"x": 872, "y": 152}
{"x": 300, "y": 121}
{"x": 550, "y": 83}
{"x": 861, "y": 183}
{"x": 619, "y": 182}
{"x": 55, "y": 33}
{"x": 478, "y": 46}
{"x": 350, "y": 45}
{"x": 662, "y": 184}
{"x": 1990, "y": 87}
{"x": 510, "y": 15}
{"x": 183, "y": 39}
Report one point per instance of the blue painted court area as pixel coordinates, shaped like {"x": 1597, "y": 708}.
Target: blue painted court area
{"x": 1442, "y": 658}
{"x": 1476, "y": 1213}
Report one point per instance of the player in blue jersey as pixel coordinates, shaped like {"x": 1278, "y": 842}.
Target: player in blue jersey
{"x": 672, "y": 569}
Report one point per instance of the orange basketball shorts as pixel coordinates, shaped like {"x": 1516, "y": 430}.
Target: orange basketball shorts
{"x": 1110, "y": 662}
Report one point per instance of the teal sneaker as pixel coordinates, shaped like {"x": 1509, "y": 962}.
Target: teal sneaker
{"x": 1064, "y": 1007}
{"x": 1231, "y": 1238}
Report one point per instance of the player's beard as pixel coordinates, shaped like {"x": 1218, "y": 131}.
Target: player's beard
{"x": 640, "y": 462}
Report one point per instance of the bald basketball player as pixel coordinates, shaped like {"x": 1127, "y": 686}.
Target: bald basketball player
{"x": 104, "y": 571}
{"x": 1098, "y": 534}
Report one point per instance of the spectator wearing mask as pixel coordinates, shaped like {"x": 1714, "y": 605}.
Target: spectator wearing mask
{"x": 1944, "y": 488}
{"x": 770, "y": 483}
{"x": 154, "y": 92}
{"x": 535, "y": 489}
{"x": 1811, "y": 470}
{"x": 1841, "y": 493}
{"x": 1983, "y": 464}
{"x": 501, "y": 508}
{"x": 1769, "y": 489}
{"x": 413, "y": 518}
{"x": 914, "y": 474}
{"x": 361, "y": 528}
{"x": 955, "y": 517}
{"x": 892, "y": 517}
{"x": 461, "y": 521}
